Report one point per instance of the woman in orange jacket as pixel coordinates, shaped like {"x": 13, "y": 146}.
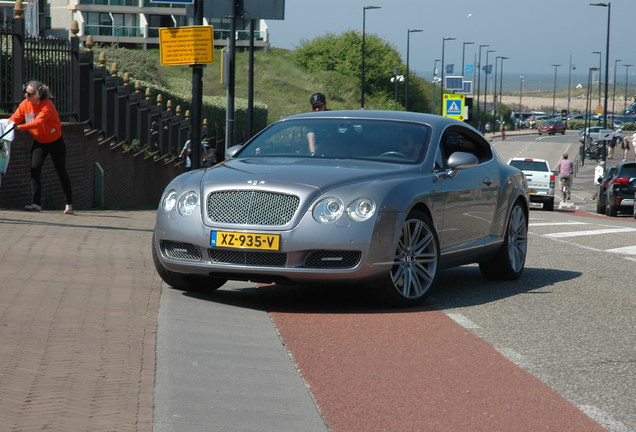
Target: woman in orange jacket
{"x": 42, "y": 120}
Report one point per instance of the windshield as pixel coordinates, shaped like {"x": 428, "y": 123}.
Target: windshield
{"x": 526, "y": 165}
{"x": 381, "y": 140}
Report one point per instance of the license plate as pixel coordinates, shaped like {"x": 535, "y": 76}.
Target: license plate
{"x": 532, "y": 191}
{"x": 244, "y": 240}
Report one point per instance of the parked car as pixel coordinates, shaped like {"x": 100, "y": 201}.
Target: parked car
{"x": 621, "y": 189}
{"x": 541, "y": 180}
{"x": 552, "y": 127}
{"x": 601, "y": 197}
{"x": 386, "y": 201}
{"x": 594, "y": 133}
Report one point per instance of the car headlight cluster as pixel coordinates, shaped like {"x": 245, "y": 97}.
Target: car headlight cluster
{"x": 186, "y": 204}
{"x": 330, "y": 209}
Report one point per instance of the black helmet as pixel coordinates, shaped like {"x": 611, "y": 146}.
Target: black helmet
{"x": 317, "y": 98}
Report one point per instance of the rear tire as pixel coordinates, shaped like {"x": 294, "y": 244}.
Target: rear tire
{"x": 612, "y": 210}
{"x": 549, "y": 205}
{"x": 509, "y": 262}
{"x": 185, "y": 282}
{"x": 415, "y": 264}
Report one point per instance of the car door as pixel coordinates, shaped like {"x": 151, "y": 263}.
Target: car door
{"x": 470, "y": 199}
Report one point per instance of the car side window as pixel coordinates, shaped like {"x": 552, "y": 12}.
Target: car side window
{"x": 456, "y": 139}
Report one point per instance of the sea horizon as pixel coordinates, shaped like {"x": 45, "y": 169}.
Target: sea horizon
{"x": 539, "y": 82}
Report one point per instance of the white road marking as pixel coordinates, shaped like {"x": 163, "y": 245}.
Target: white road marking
{"x": 603, "y": 418}
{"x": 628, "y": 250}
{"x": 590, "y": 232}
{"x": 534, "y": 224}
{"x": 463, "y": 321}
{"x": 515, "y": 357}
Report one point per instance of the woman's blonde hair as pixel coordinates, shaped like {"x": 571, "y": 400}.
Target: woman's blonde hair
{"x": 41, "y": 89}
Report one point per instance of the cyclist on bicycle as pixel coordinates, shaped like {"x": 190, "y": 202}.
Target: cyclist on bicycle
{"x": 565, "y": 169}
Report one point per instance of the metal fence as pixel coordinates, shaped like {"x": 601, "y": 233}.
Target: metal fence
{"x": 49, "y": 61}
{"x": 83, "y": 92}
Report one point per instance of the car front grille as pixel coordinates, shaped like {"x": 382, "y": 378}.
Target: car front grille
{"x": 332, "y": 259}
{"x": 182, "y": 251}
{"x": 266, "y": 259}
{"x": 245, "y": 207}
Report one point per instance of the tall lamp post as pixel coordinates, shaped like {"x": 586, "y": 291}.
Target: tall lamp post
{"x": 486, "y": 90}
{"x": 479, "y": 78}
{"x": 555, "y": 85}
{"x": 520, "y": 90}
{"x": 570, "y": 81}
{"x": 608, "y": 5}
{"x": 441, "y": 84}
{"x": 495, "y": 101}
{"x": 600, "y": 72}
{"x": 433, "y": 93}
{"x": 406, "y": 83}
{"x": 614, "y": 93}
{"x": 587, "y": 103}
{"x": 464, "y": 54}
{"x": 626, "y": 79}
{"x": 364, "y": 19}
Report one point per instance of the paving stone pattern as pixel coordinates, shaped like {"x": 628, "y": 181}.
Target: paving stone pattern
{"x": 78, "y": 317}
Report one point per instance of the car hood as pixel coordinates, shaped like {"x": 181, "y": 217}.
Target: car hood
{"x": 294, "y": 175}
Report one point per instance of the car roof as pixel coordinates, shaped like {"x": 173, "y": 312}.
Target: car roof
{"x": 527, "y": 159}
{"x": 433, "y": 120}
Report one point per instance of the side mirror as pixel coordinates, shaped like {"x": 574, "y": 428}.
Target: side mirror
{"x": 462, "y": 160}
{"x": 459, "y": 161}
{"x": 232, "y": 151}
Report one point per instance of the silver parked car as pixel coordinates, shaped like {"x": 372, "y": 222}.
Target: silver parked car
{"x": 382, "y": 199}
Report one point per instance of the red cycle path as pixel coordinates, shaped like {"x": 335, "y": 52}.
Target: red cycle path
{"x": 409, "y": 370}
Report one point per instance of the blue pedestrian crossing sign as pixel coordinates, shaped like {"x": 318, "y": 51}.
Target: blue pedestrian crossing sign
{"x": 454, "y": 106}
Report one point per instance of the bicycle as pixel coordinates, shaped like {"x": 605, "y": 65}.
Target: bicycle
{"x": 565, "y": 188}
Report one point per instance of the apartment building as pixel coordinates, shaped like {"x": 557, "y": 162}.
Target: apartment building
{"x": 130, "y": 23}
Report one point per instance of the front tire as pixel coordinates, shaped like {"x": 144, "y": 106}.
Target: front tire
{"x": 415, "y": 264}
{"x": 600, "y": 206}
{"x": 509, "y": 262}
{"x": 185, "y": 282}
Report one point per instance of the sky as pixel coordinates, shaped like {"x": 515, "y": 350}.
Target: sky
{"x": 534, "y": 34}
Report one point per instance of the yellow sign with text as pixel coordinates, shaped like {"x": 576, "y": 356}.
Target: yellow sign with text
{"x": 186, "y": 45}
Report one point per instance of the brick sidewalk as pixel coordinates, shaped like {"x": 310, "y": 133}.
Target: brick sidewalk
{"x": 78, "y": 316}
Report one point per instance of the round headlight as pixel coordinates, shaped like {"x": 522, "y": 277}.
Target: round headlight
{"x": 169, "y": 200}
{"x": 328, "y": 210}
{"x": 361, "y": 209}
{"x": 188, "y": 202}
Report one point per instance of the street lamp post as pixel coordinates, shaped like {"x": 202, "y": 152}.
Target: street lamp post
{"x": 406, "y": 83}
{"x": 364, "y": 18}
{"x": 486, "y": 91}
{"x": 495, "y": 101}
{"x": 570, "y": 81}
{"x": 600, "y": 72}
{"x": 608, "y": 5}
{"x": 396, "y": 79}
{"x": 441, "y": 85}
{"x": 614, "y": 93}
{"x": 520, "y": 91}
{"x": 626, "y": 79}
{"x": 464, "y": 54}
{"x": 433, "y": 93}
{"x": 479, "y": 81}
{"x": 587, "y": 104}
{"x": 555, "y": 85}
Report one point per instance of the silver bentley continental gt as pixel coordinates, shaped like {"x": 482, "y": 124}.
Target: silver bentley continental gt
{"x": 380, "y": 199}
